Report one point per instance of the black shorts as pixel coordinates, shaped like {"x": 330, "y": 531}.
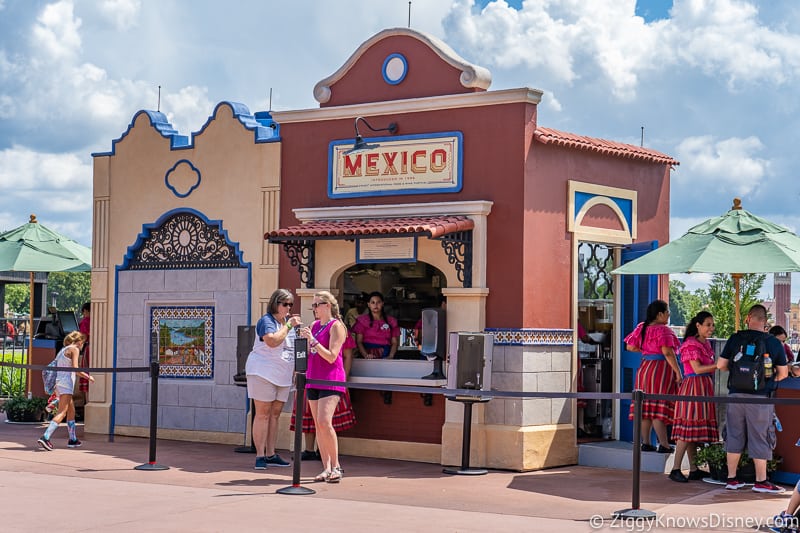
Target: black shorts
{"x": 316, "y": 394}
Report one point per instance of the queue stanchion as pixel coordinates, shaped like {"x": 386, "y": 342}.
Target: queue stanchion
{"x": 465, "y": 469}
{"x": 152, "y": 464}
{"x": 635, "y": 511}
{"x": 300, "y": 367}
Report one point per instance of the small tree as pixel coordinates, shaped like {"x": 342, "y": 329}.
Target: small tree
{"x": 73, "y": 288}
{"x": 721, "y": 300}
{"x": 683, "y": 305}
{"x": 18, "y": 297}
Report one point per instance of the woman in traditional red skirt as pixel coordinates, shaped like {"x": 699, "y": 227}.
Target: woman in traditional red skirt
{"x": 695, "y": 422}
{"x": 343, "y": 417}
{"x": 659, "y": 373}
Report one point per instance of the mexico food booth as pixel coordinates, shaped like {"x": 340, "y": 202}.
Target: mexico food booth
{"x": 458, "y": 193}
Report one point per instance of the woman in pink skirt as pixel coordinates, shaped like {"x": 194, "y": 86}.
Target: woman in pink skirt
{"x": 695, "y": 422}
{"x": 659, "y": 372}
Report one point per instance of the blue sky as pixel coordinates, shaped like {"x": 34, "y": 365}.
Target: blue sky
{"x": 711, "y": 81}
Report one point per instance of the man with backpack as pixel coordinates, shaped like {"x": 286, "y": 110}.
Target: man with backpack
{"x": 755, "y": 361}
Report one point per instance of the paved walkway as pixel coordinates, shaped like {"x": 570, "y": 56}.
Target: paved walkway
{"x": 208, "y": 487}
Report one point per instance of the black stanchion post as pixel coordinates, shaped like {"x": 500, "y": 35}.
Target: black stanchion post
{"x": 635, "y": 511}
{"x": 151, "y": 464}
{"x": 300, "y": 367}
{"x": 248, "y": 448}
{"x": 466, "y": 439}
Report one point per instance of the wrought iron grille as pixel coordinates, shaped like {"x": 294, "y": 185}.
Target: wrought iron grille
{"x": 184, "y": 241}
{"x": 301, "y": 256}
{"x": 596, "y": 263}
{"x": 458, "y": 247}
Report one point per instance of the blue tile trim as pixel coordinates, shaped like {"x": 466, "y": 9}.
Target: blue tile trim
{"x": 532, "y": 337}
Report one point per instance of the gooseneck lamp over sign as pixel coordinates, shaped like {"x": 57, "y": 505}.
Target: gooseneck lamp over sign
{"x": 360, "y": 145}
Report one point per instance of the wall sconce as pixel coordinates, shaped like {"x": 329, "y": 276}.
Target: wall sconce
{"x": 360, "y": 145}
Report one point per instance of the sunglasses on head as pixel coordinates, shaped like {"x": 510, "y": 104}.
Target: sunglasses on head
{"x": 287, "y": 304}
{"x": 317, "y": 304}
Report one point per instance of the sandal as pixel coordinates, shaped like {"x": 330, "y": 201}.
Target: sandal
{"x": 322, "y": 476}
{"x": 335, "y": 476}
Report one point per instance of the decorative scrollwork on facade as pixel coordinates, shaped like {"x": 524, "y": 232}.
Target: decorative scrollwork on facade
{"x": 594, "y": 271}
{"x": 184, "y": 241}
{"x": 301, "y": 256}
{"x": 458, "y": 247}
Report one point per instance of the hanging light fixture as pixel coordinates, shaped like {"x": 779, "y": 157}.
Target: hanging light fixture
{"x": 360, "y": 145}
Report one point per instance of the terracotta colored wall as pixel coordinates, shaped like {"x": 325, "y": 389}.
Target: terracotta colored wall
{"x": 547, "y": 244}
{"x": 378, "y": 420}
{"x": 494, "y": 151}
{"x": 428, "y": 75}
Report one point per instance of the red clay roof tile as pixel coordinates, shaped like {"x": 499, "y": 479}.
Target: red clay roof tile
{"x": 602, "y": 146}
{"x": 433, "y": 227}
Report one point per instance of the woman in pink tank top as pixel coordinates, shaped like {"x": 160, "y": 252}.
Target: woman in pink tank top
{"x": 326, "y": 336}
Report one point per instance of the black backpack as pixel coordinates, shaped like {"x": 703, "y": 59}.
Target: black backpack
{"x": 746, "y": 367}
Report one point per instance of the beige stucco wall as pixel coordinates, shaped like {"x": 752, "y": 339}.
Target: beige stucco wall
{"x": 239, "y": 185}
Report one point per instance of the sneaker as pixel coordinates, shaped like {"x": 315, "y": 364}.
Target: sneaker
{"x": 785, "y": 521}
{"x": 74, "y": 443}
{"x": 734, "y": 484}
{"x": 308, "y": 455}
{"x": 767, "y": 486}
{"x": 698, "y": 474}
{"x": 276, "y": 460}
{"x": 261, "y": 463}
{"x": 45, "y": 444}
{"x": 677, "y": 475}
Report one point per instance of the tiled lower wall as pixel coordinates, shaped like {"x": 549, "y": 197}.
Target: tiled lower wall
{"x": 528, "y": 360}
{"x": 207, "y": 404}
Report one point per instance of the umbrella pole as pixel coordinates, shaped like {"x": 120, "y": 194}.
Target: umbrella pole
{"x": 30, "y": 339}
{"x": 736, "y": 309}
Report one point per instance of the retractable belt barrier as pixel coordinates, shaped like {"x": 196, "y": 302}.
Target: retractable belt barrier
{"x": 153, "y": 369}
{"x": 756, "y": 399}
{"x": 637, "y": 397}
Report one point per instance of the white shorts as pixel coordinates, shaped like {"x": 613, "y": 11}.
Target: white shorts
{"x": 262, "y": 390}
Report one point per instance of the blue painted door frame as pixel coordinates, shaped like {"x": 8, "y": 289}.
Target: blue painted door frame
{"x": 636, "y": 292}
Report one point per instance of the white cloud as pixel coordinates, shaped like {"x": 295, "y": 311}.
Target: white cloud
{"x": 726, "y": 37}
{"x": 189, "y": 108}
{"x": 22, "y": 170}
{"x": 56, "y": 187}
{"x": 50, "y": 80}
{"x": 122, "y": 13}
{"x": 570, "y": 39}
{"x": 729, "y": 164}
{"x": 550, "y": 101}
{"x": 55, "y": 35}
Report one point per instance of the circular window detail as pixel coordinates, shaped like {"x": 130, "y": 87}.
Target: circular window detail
{"x": 395, "y": 68}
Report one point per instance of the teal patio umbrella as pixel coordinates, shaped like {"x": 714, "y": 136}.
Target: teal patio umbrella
{"x": 34, "y": 248}
{"x": 735, "y": 243}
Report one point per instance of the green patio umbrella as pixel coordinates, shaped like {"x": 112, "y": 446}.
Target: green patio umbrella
{"x": 735, "y": 243}
{"x": 35, "y": 248}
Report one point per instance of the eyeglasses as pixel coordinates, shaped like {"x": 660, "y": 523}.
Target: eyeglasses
{"x": 317, "y": 304}
{"x": 287, "y": 304}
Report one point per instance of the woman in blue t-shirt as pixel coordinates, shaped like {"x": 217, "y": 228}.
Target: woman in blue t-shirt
{"x": 269, "y": 369}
